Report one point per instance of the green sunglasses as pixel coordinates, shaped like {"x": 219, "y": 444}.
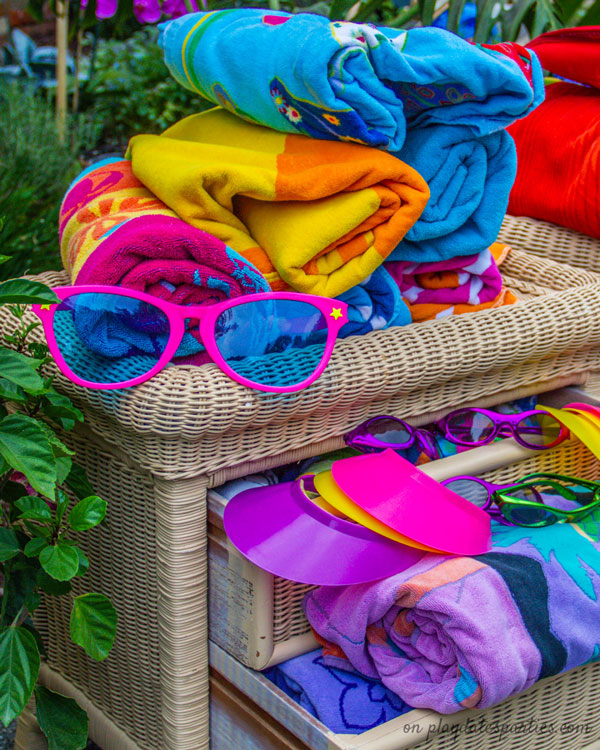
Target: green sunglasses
{"x": 524, "y": 503}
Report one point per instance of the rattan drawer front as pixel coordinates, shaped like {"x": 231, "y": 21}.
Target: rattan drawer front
{"x": 569, "y": 699}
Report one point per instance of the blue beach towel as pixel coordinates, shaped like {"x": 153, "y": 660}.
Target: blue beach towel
{"x": 345, "y": 702}
{"x": 374, "y": 304}
{"x": 346, "y": 81}
{"x": 470, "y": 180}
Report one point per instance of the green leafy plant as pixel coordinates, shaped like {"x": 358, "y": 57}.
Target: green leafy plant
{"x": 39, "y": 553}
{"x": 513, "y": 16}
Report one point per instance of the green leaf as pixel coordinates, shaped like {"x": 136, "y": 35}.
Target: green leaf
{"x": 3, "y": 258}
{"x": 58, "y": 447}
{"x": 51, "y": 586}
{"x": 485, "y": 20}
{"x": 61, "y": 410}
{"x": 28, "y": 625}
{"x": 78, "y": 482}
{"x": 62, "y": 502}
{"x": 426, "y": 11}
{"x": 21, "y": 370}
{"x": 60, "y": 561}
{"x": 24, "y": 444}
{"x": 339, "y": 8}
{"x": 88, "y": 513}
{"x": 35, "y": 546}
{"x": 61, "y": 719}
{"x": 25, "y": 292}
{"x": 19, "y": 668}
{"x": 34, "y": 508}
{"x": 592, "y": 16}
{"x": 93, "y": 625}
{"x": 12, "y": 491}
{"x": 9, "y": 544}
{"x": 84, "y": 563}
{"x": 11, "y": 392}
{"x": 63, "y": 467}
{"x": 455, "y": 11}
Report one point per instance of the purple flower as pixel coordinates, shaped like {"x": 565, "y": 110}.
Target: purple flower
{"x": 147, "y": 11}
{"x": 104, "y": 8}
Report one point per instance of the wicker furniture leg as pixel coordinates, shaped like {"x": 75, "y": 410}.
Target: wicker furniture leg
{"x": 183, "y": 611}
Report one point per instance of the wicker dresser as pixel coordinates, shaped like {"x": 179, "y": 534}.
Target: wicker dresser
{"x": 154, "y": 452}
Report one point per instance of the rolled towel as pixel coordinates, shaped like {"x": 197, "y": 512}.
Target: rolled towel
{"x": 113, "y": 231}
{"x": 570, "y": 53}
{"x": 316, "y": 216}
{"x": 468, "y": 632}
{"x": 469, "y": 180}
{"x": 374, "y": 304}
{"x": 348, "y": 81}
{"x": 452, "y": 287}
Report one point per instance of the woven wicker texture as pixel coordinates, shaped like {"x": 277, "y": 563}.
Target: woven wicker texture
{"x": 192, "y": 420}
{"x": 551, "y": 241}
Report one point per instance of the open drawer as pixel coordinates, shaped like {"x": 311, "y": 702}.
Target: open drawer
{"x": 258, "y": 617}
{"x": 557, "y": 713}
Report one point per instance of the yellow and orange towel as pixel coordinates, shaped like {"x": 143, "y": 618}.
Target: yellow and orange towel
{"x": 316, "y": 216}
{"x": 453, "y": 286}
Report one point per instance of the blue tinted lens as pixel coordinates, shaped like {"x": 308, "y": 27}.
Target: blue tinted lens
{"x": 108, "y": 338}
{"x": 273, "y": 342}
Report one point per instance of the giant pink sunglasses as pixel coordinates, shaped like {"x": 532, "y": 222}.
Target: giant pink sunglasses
{"x": 110, "y": 337}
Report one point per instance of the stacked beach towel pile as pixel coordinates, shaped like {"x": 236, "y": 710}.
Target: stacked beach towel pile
{"x": 344, "y": 160}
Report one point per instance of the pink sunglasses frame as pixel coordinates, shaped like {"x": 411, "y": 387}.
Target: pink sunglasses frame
{"x": 334, "y": 311}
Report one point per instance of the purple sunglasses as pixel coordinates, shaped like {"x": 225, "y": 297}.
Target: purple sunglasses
{"x": 467, "y": 427}
{"x": 109, "y": 337}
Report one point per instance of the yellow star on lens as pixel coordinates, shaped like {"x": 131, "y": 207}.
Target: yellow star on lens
{"x": 336, "y": 313}
{"x": 45, "y": 307}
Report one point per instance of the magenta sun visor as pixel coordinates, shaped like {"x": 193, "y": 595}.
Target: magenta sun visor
{"x": 282, "y": 531}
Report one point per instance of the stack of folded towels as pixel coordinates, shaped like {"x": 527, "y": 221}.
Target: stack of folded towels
{"x": 344, "y": 160}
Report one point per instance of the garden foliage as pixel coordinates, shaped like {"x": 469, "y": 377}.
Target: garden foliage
{"x": 39, "y": 552}
{"x": 35, "y": 171}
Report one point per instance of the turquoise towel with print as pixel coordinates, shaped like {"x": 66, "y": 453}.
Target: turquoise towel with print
{"x": 348, "y": 81}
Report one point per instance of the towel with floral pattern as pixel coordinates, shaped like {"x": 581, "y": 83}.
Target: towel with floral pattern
{"x": 346, "y": 703}
{"x": 468, "y": 632}
{"x": 338, "y": 80}
{"x": 113, "y": 231}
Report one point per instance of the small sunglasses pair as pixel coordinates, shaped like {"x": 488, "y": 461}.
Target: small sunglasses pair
{"x": 467, "y": 427}
{"x": 108, "y": 337}
{"x": 527, "y": 503}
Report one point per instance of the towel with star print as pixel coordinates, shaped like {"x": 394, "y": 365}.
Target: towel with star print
{"x": 315, "y": 216}
{"x": 303, "y": 73}
{"x": 467, "y": 632}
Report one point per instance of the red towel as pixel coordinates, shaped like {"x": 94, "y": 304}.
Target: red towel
{"x": 571, "y": 53}
{"x": 558, "y": 152}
